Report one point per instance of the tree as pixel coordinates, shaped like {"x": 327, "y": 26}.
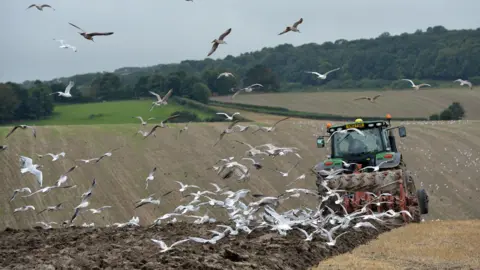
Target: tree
{"x": 8, "y": 103}
{"x": 200, "y": 92}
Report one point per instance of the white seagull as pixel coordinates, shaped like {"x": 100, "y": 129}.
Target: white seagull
{"x": 24, "y": 208}
{"x": 99, "y": 210}
{"x": 64, "y": 45}
{"x": 416, "y": 86}
{"x": 225, "y": 74}
{"x": 28, "y": 166}
{"x": 16, "y": 191}
{"x": 141, "y": 119}
{"x": 164, "y": 246}
{"x": 322, "y": 76}
{"x": 67, "y": 90}
{"x": 160, "y": 101}
{"x": 228, "y": 117}
{"x": 150, "y": 177}
{"x": 54, "y": 157}
{"x": 464, "y": 82}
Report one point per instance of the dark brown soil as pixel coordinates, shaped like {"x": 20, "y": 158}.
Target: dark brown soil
{"x": 131, "y": 248}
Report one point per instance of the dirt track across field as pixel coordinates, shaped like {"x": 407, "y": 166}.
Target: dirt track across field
{"x": 131, "y": 248}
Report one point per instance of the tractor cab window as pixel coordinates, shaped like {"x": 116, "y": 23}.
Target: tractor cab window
{"x": 354, "y": 143}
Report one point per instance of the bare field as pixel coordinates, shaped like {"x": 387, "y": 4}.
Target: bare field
{"x": 399, "y": 103}
{"x": 430, "y": 245}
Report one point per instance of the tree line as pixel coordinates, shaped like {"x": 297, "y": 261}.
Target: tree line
{"x": 454, "y": 112}
{"x": 20, "y": 103}
{"x": 434, "y": 55}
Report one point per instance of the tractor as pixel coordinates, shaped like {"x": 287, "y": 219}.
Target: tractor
{"x": 364, "y": 162}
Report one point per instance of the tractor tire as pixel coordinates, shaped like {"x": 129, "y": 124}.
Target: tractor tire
{"x": 422, "y": 201}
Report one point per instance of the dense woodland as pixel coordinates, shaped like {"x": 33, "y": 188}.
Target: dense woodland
{"x": 432, "y": 56}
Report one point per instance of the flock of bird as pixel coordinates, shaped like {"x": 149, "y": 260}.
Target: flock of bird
{"x": 246, "y": 211}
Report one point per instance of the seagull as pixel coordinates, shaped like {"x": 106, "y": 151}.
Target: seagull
{"x": 86, "y": 160}
{"x": 40, "y": 7}
{"x": 184, "y": 187}
{"x": 322, "y": 76}
{"x": 162, "y": 244}
{"x": 64, "y": 45}
{"x": 218, "y": 41}
{"x": 23, "y": 127}
{"x": 63, "y": 178}
{"x": 82, "y": 205}
{"x": 16, "y": 191}
{"x": 364, "y": 224}
{"x": 90, "y": 36}
{"x": 185, "y": 128}
{"x": 247, "y": 89}
{"x": 255, "y": 163}
{"x": 244, "y": 128}
{"x": 308, "y": 236}
{"x": 87, "y": 194}
{"x": 229, "y": 129}
{"x": 99, "y": 210}
{"x": 28, "y": 166}
{"x": 344, "y": 131}
{"x": 147, "y": 200}
{"x": 416, "y": 86}
{"x": 328, "y": 234}
{"x": 293, "y": 27}
{"x": 464, "y": 82}
{"x": 272, "y": 128}
{"x": 54, "y": 157}
{"x": 107, "y": 154}
{"x": 301, "y": 177}
{"x": 150, "y": 177}
{"x": 371, "y": 99}
{"x": 253, "y": 151}
{"x": 145, "y": 133}
{"x": 51, "y": 208}
{"x": 225, "y": 74}
{"x": 375, "y": 168}
{"x": 162, "y": 125}
{"x": 285, "y": 174}
{"x": 160, "y": 101}
{"x": 3, "y": 147}
{"x": 228, "y": 117}
{"x": 45, "y": 225}
{"x": 141, "y": 119}
{"x": 23, "y": 208}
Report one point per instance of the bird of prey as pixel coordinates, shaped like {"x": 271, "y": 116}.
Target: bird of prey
{"x": 371, "y": 99}
{"x": 218, "y": 41}
{"x": 22, "y": 127}
{"x": 90, "y": 36}
{"x": 40, "y": 7}
{"x": 293, "y": 27}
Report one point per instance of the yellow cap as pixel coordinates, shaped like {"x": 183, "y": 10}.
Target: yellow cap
{"x": 358, "y": 120}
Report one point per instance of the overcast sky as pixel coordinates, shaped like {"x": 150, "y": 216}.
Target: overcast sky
{"x": 149, "y": 32}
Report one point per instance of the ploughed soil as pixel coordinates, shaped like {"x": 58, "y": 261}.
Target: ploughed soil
{"x": 131, "y": 248}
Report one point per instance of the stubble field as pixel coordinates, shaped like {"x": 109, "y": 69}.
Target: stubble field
{"x": 399, "y": 103}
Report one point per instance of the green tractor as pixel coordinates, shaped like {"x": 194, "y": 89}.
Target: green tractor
{"x": 365, "y": 162}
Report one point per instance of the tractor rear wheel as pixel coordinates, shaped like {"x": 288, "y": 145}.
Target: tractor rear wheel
{"x": 422, "y": 201}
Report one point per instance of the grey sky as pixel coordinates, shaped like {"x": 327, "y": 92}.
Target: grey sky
{"x": 149, "y": 32}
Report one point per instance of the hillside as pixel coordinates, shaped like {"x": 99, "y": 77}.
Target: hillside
{"x": 436, "y": 54}
{"x": 431, "y": 245}
{"x": 441, "y": 155}
{"x": 401, "y": 103}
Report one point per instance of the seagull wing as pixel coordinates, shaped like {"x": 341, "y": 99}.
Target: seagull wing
{"x": 331, "y": 71}
{"x": 39, "y": 175}
{"x": 298, "y": 22}
{"x": 155, "y": 94}
{"x": 280, "y": 121}
{"x": 77, "y": 27}
{"x": 169, "y": 93}
{"x": 413, "y": 84}
{"x": 222, "y": 36}
{"x": 69, "y": 87}
{"x": 100, "y": 34}
{"x": 11, "y": 131}
{"x": 361, "y": 98}
{"x": 226, "y": 115}
{"x": 214, "y": 48}
{"x": 32, "y": 5}
{"x": 377, "y": 96}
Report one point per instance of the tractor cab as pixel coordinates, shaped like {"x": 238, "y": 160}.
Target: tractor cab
{"x": 364, "y": 143}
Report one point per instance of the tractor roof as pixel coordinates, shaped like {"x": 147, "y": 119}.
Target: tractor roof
{"x": 360, "y": 124}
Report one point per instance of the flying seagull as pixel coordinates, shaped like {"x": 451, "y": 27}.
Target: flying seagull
{"x": 24, "y": 208}
{"x": 322, "y": 76}
{"x": 150, "y": 177}
{"x": 272, "y": 128}
{"x": 416, "y": 86}
{"x": 225, "y": 74}
{"x": 99, "y": 210}
{"x": 185, "y": 128}
{"x": 54, "y": 157}
{"x": 67, "y": 90}
{"x": 464, "y": 82}
{"x": 40, "y": 7}
{"x": 64, "y": 45}
{"x": 160, "y": 125}
{"x": 160, "y": 101}
{"x": 51, "y": 208}
{"x": 229, "y": 129}
{"x": 22, "y": 127}
{"x": 16, "y": 191}
{"x": 371, "y": 99}
{"x": 228, "y": 117}
{"x": 218, "y": 41}
{"x": 293, "y": 27}
{"x": 28, "y": 166}
{"x": 141, "y": 119}
{"x": 164, "y": 246}
{"x": 247, "y": 89}
{"x": 108, "y": 154}
{"x": 90, "y": 36}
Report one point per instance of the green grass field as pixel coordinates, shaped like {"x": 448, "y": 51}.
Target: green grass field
{"x": 115, "y": 112}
